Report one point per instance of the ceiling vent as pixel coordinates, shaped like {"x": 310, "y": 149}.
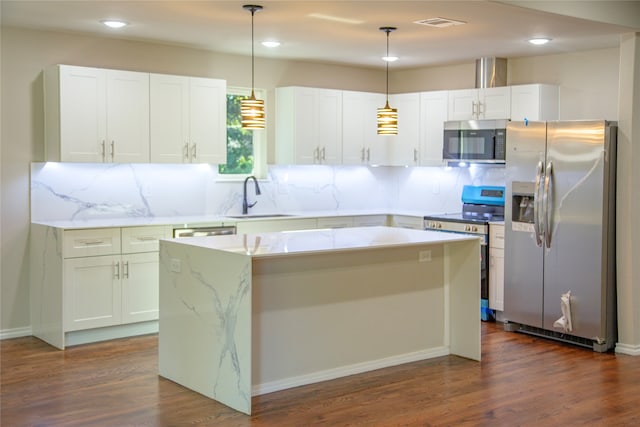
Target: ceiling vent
{"x": 439, "y": 22}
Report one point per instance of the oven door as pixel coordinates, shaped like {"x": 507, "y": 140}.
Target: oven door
{"x": 470, "y": 144}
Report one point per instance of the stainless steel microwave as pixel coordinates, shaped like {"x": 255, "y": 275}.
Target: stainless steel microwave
{"x": 478, "y": 141}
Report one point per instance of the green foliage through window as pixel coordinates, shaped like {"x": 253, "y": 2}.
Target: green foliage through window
{"x": 239, "y": 141}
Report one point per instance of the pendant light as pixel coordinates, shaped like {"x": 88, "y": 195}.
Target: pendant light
{"x": 252, "y": 109}
{"x": 387, "y": 116}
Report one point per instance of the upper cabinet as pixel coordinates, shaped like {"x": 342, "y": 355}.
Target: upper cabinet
{"x": 308, "y": 126}
{"x": 433, "y": 114}
{"x": 537, "y": 102}
{"x": 404, "y": 147}
{"x": 361, "y": 144}
{"x": 188, "y": 119}
{"x": 96, "y": 115}
{"x": 479, "y": 104}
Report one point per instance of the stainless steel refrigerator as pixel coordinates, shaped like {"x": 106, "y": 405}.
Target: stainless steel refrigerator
{"x": 560, "y": 231}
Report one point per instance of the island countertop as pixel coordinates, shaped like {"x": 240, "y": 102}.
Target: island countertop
{"x": 323, "y": 240}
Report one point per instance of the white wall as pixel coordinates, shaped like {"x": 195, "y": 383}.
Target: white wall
{"x": 25, "y": 53}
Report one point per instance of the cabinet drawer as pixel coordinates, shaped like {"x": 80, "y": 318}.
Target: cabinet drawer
{"x": 91, "y": 242}
{"x": 143, "y": 239}
{"x": 496, "y": 236}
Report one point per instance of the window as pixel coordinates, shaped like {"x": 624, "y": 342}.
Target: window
{"x": 245, "y": 154}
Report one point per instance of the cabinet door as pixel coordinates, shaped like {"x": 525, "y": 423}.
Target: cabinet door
{"x": 534, "y": 102}
{"x": 404, "y": 147}
{"x": 335, "y": 222}
{"x": 83, "y": 123}
{"x": 463, "y": 104}
{"x": 169, "y": 118}
{"x": 361, "y": 144}
{"x": 305, "y": 122}
{"x": 329, "y": 126}
{"x": 208, "y": 120}
{"x": 92, "y": 292}
{"x": 140, "y": 287}
{"x": 433, "y": 114}
{"x": 127, "y": 116}
{"x": 495, "y": 103}
{"x": 496, "y": 279}
{"x": 143, "y": 239}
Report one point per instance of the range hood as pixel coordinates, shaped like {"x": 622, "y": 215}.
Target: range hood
{"x": 491, "y": 72}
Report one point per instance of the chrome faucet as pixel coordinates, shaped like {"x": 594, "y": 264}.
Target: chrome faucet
{"x": 245, "y": 205}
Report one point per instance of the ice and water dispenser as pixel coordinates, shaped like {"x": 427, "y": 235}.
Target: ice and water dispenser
{"x": 522, "y": 203}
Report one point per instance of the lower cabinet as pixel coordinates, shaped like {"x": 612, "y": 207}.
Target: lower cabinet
{"x": 496, "y": 267}
{"x": 102, "y": 282}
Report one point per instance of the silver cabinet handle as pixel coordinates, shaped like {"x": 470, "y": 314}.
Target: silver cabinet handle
{"x": 323, "y": 151}
{"x": 474, "y": 110}
{"x": 146, "y": 238}
{"x": 103, "y": 149}
{"x": 415, "y": 155}
{"x": 368, "y": 154}
{"x": 194, "y": 153}
{"x": 125, "y": 274}
{"x": 536, "y": 205}
{"x": 362, "y": 156}
{"x": 185, "y": 151}
{"x": 113, "y": 150}
{"x": 116, "y": 270}
{"x": 91, "y": 242}
{"x": 547, "y": 207}
{"x": 316, "y": 154}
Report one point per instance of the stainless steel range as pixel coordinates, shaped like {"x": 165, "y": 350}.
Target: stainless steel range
{"x": 480, "y": 205}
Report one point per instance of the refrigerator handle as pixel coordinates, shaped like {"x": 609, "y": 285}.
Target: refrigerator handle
{"x": 547, "y": 210}
{"x": 536, "y": 205}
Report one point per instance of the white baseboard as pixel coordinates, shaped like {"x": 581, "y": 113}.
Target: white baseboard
{"x": 6, "y": 334}
{"x": 344, "y": 371}
{"x": 631, "y": 350}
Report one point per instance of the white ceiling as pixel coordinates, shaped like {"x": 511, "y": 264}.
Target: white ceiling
{"x": 492, "y": 28}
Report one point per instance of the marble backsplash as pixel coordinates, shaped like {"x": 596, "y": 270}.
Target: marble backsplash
{"x": 83, "y": 191}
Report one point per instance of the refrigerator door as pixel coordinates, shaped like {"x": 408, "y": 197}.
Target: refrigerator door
{"x": 573, "y": 259}
{"x": 523, "y": 279}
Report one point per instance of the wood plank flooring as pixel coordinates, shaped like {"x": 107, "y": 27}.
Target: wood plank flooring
{"x": 521, "y": 381}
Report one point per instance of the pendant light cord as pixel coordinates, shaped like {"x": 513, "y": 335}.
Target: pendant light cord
{"x": 253, "y": 11}
{"x": 387, "y": 61}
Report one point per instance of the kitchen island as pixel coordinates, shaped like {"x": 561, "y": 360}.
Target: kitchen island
{"x": 250, "y": 314}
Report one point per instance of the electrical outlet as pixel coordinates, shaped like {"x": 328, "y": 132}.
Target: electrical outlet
{"x": 176, "y": 265}
{"x": 424, "y": 256}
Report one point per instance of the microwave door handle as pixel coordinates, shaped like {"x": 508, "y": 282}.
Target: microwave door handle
{"x": 536, "y": 205}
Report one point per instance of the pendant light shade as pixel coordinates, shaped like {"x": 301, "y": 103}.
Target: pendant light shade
{"x": 387, "y": 116}
{"x": 252, "y": 109}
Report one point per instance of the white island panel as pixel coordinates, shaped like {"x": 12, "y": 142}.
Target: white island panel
{"x": 205, "y": 322}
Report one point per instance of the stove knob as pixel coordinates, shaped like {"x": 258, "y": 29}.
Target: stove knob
{"x": 467, "y": 228}
{"x": 474, "y": 229}
{"x": 439, "y": 225}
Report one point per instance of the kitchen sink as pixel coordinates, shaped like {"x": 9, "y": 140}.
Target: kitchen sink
{"x": 249, "y": 216}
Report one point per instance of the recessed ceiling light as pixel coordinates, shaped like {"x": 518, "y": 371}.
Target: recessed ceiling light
{"x": 270, "y": 43}
{"x": 539, "y": 41}
{"x": 112, "y": 23}
{"x": 439, "y": 22}
{"x": 390, "y": 58}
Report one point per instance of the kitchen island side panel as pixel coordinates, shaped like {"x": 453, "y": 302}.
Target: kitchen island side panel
{"x": 205, "y": 322}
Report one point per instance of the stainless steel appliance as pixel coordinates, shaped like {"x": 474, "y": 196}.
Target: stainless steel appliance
{"x": 480, "y": 204}
{"x": 477, "y": 141}
{"x": 204, "y": 231}
{"x": 560, "y": 231}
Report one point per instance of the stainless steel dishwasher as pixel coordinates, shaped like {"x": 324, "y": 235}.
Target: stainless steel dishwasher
{"x": 221, "y": 230}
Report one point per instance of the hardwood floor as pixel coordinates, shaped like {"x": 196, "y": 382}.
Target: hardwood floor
{"x": 522, "y": 380}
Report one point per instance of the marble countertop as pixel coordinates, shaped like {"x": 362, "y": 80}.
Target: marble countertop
{"x": 326, "y": 240}
{"x": 215, "y": 220}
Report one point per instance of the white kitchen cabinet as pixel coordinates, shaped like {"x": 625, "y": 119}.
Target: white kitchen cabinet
{"x": 369, "y": 220}
{"x": 496, "y": 266}
{"x": 480, "y": 104}
{"x": 96, "y": 115}
{"x": 269, "y": 225}
{"x": 92, "y": 292}
{"x": 404, "y": 147}
{"x": 433, "y": 114}
{"x": 535, "y": 102}
{"x": 335, "y": 222}
{"x": 188, "y": 119}
{"x": 140, "y": 290}
{"x": 361, "y": 144}
{"x": 308, "y": 126}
